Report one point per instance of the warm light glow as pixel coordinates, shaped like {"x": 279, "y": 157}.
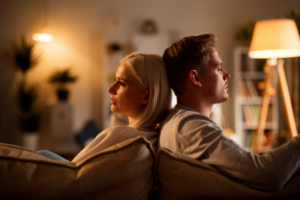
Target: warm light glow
{"x": 42, "y": 37}
{"x": 44, "y": 34}
{"x": 275, "y": 39}
{"x": 261, "y": 85}
{"x": 271, "y": 91}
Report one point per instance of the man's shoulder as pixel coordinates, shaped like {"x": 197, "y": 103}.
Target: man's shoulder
{"x": 184, "y": 123}
{"x": 182, "y": 116}
{"x": 186, "y": 128}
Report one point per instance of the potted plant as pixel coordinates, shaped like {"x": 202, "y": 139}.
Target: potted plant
{"x": 23, "y": 59}
{"x": 61, "y": 79}
{"x": 244, "y": 34}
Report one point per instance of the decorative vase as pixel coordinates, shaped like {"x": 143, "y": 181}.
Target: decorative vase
{"x": 62, "y": 94}
{"x": 30, "y": 140}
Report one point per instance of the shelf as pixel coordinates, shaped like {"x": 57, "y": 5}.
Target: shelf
{"x": 249, "y": 78}
{"x": 252, "y": 100}
{"x": 253, "y": 75}
{"x": 248, "y": 126}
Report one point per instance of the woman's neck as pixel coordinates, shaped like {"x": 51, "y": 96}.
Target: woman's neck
{"x": 130, "y": 119}
{"x": 144, "y": 128}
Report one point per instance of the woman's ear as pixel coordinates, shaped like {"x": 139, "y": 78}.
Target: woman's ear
{"x": 146, "y": 97}
{"x": 194, "y": 78}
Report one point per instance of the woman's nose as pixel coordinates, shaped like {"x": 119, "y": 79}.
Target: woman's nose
{"x": 111, "y": 89}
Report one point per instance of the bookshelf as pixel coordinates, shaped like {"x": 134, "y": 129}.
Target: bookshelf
{"x": 249, "y": 82}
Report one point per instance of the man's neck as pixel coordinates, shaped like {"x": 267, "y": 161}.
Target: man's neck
{"x": 196, "y": 104}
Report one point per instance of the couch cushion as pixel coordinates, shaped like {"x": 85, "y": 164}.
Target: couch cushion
{"x": 124, "y": 171}
{"x": 181, "y": 177}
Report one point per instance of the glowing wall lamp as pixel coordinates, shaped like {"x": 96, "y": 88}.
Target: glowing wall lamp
{"x": 274, "y": 39}
{"x": 44, "y": 34}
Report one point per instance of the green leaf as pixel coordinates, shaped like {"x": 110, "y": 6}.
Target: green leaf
{"x": 62, "y": 77}
{"x": 22, "y": 56}
{"x": 26, "y": 96}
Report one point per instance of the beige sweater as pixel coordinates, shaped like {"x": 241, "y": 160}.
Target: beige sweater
{"x": 112, "y": 136}
{"x": 188, "y": 132}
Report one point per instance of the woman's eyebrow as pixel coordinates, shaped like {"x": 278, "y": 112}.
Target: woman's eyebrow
{"x": 120, "y": 78}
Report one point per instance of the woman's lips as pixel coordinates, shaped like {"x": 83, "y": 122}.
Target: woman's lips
{"x": 112, "y": 101}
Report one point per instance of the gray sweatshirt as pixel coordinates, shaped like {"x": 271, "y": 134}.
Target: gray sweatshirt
{"x": 188, "y": 132}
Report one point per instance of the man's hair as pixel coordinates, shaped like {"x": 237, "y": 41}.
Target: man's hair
{"x": 186, "y": 54}
{"x": 149, "y": 72}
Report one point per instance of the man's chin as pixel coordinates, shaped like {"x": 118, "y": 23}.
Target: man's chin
{"x": 225, "y": 98}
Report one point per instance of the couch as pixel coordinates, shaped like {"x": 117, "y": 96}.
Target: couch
{"x": 124, "y": 171}
{"x": 181, "y": 177}
{"x": 129, "y": 170}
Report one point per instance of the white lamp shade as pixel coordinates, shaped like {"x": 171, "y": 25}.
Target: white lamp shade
{"x": 44, "y": 34}
{"x": 275, "y": 39}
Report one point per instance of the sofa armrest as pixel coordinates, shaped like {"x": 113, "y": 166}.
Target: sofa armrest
{"x": 181, "y": 177}
{"x": 124, "y": 171}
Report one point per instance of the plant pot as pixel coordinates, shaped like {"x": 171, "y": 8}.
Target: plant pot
{"x": 62, "y": 94}
{"x": 30, "y": 140}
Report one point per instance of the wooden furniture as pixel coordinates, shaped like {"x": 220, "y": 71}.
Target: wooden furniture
{"x": 249, "y": 76}
{"x": 60, "y": 129}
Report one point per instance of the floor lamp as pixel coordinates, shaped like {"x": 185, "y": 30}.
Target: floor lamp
{"x": 273, "y": 39}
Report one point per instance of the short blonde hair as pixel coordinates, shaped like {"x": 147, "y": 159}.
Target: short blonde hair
{"x": 149, "y": 72}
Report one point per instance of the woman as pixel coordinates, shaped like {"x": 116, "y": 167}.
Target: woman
{"x": 142, "y": 92}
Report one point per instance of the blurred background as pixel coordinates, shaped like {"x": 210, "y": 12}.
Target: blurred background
{"x": 90, "y": 36}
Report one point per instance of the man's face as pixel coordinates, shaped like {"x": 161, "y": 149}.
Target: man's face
{"x": 214, "y": 82}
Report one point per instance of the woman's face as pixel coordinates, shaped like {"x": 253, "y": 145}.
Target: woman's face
{"x": 126, "y": 96}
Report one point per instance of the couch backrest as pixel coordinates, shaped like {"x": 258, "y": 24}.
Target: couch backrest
{"x": 124, "y": 171}
{"x": 179, "y": 177}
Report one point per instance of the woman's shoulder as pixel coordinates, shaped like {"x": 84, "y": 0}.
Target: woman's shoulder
{"x": 120, "y": 133}
{"x": 118, "y": 129}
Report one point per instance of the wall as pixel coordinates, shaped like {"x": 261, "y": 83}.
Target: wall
{"x": 82, "y": 28}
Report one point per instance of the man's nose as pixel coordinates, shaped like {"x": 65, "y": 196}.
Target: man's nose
{"x": 226, "y": 75}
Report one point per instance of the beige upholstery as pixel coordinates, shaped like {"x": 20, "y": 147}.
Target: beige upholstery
{"x": 181, "y": 177}
{"x": 124, "y": 171}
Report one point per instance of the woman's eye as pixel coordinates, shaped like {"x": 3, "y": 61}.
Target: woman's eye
{"x": 120, "y": 83}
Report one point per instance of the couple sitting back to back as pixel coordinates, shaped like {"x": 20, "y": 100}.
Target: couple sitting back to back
{"x": 194, "y": 70}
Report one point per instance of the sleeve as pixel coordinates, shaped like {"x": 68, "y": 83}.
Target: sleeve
{"x": 112, "y": 136}
{"x": 205, "y": 141}
{"x": 105, "y": 139}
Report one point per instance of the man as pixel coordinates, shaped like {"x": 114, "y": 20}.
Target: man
{"x": 196, "y": 75}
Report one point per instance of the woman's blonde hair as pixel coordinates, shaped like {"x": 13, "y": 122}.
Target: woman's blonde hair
{"x": 149, "y": 72}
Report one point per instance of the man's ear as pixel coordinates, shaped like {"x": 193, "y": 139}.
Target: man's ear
{"x": 194, "y": 78}
{"x": 146, "y": 97}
